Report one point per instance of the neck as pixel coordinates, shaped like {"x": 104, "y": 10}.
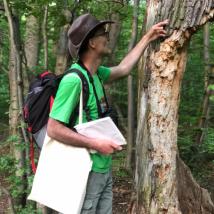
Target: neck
{"x": 91, "y": 62}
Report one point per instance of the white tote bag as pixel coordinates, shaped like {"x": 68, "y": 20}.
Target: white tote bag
{"x": 61, "y": 177}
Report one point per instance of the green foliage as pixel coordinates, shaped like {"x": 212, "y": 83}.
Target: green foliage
{"x": 6, "y": 164}
{"x": 207, "y": 146}
{"x": 8, "y": 168}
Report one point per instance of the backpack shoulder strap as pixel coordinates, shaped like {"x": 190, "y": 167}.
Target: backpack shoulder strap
{"x": 85, "y": 87}
{"x": 85, "y": 84}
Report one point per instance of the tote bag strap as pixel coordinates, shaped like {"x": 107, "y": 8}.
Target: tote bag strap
{"x": 81, "y": 106}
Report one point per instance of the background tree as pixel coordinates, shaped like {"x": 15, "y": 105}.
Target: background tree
{"x": 16, "y": 95}
{"x": 203, "y": 121}
{"x": 45, "y": 39}
{"x": 131, "y": 115}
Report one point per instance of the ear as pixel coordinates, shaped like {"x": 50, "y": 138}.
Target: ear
{"x": 92, "y": 43}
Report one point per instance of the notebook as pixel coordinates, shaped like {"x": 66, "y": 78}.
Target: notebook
{"x": 103, "y": 128}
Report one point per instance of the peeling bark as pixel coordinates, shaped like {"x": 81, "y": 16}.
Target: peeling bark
{"x": 159, "y": 182}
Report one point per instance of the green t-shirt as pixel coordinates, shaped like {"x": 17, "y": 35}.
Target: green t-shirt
{"x": 67, "y": 98}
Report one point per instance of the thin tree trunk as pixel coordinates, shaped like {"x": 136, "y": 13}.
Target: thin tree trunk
{"x": 206, "y": 37}
{"x": 62, "y": 56}
{"x": 31, "y": 50}
{"x": 16, "y": 96}
{"x": 162, "y": 179}
{"x": 45, "y": 38}
{"x": 130, "y": 135}
{"x": 205, "y": 107}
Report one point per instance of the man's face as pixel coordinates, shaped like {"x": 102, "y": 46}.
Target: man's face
{"x": 100, "y": 42}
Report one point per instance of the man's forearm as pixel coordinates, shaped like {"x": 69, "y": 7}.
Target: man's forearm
{"x": 133, "y": 56}
{"x": 58, "y": 131}
{"x": 128, "y": 62}
{"x": 65, "y": 135}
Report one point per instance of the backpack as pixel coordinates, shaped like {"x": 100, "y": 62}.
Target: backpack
{"x": 39, "y": 101}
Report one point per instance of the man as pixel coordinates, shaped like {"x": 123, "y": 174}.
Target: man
{"x": 88, "y": 42}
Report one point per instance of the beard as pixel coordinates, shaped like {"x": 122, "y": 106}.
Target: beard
{"x": 107, "y": 51}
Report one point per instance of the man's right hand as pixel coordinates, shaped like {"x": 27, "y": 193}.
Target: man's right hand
{"x": 105, "y": 147}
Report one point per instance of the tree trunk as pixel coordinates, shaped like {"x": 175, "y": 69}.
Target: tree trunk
{"x": 63, "y": 57}
{"x": 206, "y": 53}
{"x": 205, "y": 107}
{"x": 16, "y": 96}
{"x": 31, "y": 49}
{"x": 62, "y": 51}
{"x": 113, "y": 36}
{"x": 45, "y": 38}
{"x": 130, "y": 135}
{"x": 162, "y": 179}
{"x": 114, "y": 32}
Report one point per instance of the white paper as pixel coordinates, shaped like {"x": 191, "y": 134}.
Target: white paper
{"x": 61, "y": 177}
{"x": 103, "y": 128}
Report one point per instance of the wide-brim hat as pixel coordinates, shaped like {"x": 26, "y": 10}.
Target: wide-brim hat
{"x": 80, "y": 30}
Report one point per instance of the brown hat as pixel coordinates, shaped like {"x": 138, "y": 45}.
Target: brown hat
{"x": 80, "y": 29}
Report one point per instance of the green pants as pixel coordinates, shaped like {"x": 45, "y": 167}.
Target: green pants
{"x": 98, "y": 199}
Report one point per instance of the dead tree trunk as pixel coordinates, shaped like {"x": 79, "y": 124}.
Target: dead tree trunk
{"x": 130, "y": 135}
{"x": 163, "y": 183}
